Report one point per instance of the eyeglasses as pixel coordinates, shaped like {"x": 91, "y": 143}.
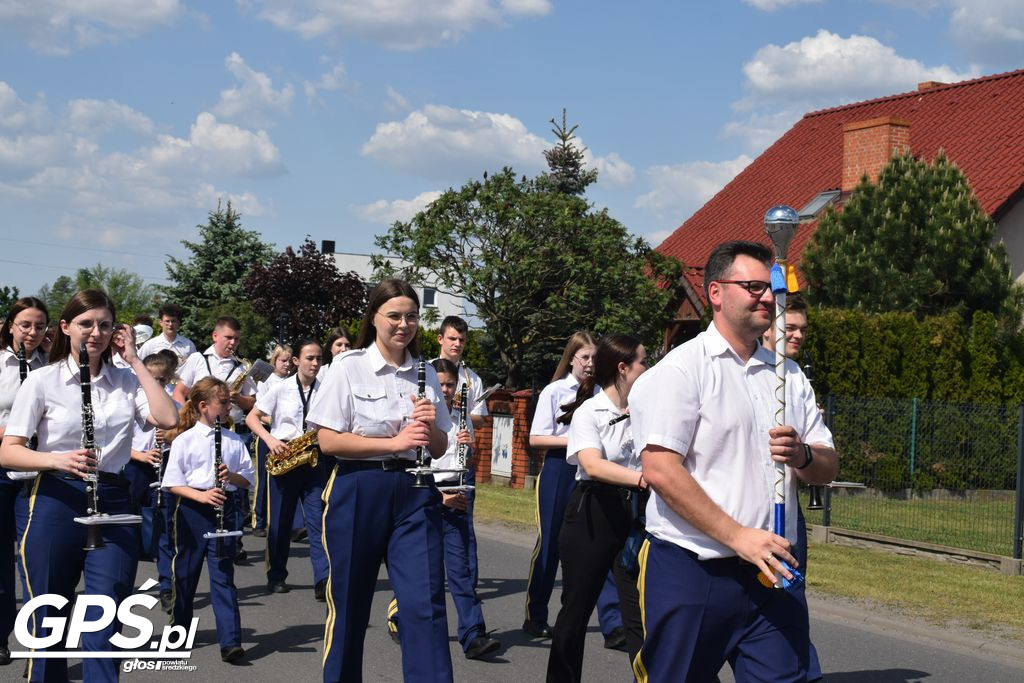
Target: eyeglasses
{"x": 755, "y": 287}
{"x": 106, "y": 327}
{"x": 395, "y": 318}
{"x": 27, "y": 327}
{"x": 584, "y": 357}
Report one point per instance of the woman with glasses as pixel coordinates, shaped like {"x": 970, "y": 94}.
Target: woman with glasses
{"x": 554, "y": 486}
{"x": 20, "y": 336}
{"x": 368, "y": 417}
{"x": 599, "y": 516}
{"x": 50, "y": 406}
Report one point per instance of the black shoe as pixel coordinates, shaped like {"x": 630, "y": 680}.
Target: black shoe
{"x": 277, "y": 587}
{"x": 616, "y": 640}
{"x": 241, "y": 556}
{"x": 320, "y": 591}
{"x": 231, "y": 654}
{"x": 259, "y": 533}
{"x": 537, "y": 629}
{"x": 167, "y": 601}
{"x": 393, "y": 631}
{"x": 299, "y": 534}
{"x": 5, "y": 655}
{"x": 482, "y": 645}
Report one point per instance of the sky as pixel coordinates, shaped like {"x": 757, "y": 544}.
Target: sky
{"x": 124, "y": 122}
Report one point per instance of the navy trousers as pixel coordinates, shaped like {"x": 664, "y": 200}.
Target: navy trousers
{"x": 368, "y": 514}
{"x": 555, "y": 484}
{"x": 191, "y": 551}
{"x": 9, "y": 492}
{"x": 55, "y": 561}
{"x": 698, "y": 615}
{"x": 140, "y": 476}
{"x": 260, "y": 490}
{"x": 303, "y": 485}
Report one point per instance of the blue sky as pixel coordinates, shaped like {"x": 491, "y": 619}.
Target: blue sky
{"x": 123, "y": 121}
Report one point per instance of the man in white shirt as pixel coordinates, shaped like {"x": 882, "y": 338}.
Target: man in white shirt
{"x": 452, "y": 338}
{"x": 170, "y": 321}
{"x": 704, "y": 421}
{"x": 219, "y": 361}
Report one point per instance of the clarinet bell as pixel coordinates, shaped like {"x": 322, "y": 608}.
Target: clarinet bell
{"x": 421, "y": 479}
{"x": 814, "y": 501}
{"x": 94, "y": 537}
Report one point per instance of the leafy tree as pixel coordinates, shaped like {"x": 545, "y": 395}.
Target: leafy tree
{"x": 8, "y": 295}
{"x": 308, "y": 287}
{"x": 131, "y": 294}
{"x": 216, "y": 270}
{"x": 537, "y": 263}
{"x": 916, "y": 241}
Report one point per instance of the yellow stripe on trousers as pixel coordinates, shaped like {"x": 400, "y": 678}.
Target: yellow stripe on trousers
{"x": 24, "y": 562}
{"x": 639, "y": 670}
{"x": 331, "y": 613}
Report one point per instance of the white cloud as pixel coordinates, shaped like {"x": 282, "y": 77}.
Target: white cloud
{"x": 679, "y": 190}
{"x": 253, "y": 100}
{"x": 397, "y": 24}
{"x": 612, "y": 169}
{"x": 387, "y": 212}
{"x": 96, "y": 117}
{"x": 772, "y": 5}
{"x": 990, "y": 31}
{"x": 761, "y": 128}
{"x": 334, "y": 80}
{"x": 827, "y": 66}
{"x": 63, "y": 166}
{"x": 61, "y": 26}
{"x": 441, "y": 140}
{"x": 395, "y": 102}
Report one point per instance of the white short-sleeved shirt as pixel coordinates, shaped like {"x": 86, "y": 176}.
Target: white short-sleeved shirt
{"x": 192, "y": 455}
{"x": 549, "y": 406}
{"x": 590, "y": 429}
{"x": 702, "y": 401}
{"x": 283, "y": 404}
{"x": 181, "y": 346}
{"x": 49, "y": 405}
{"x": 269, "y": 383}
{"x": 10, "y": 378}
{"x": 364, "y": 395}
{"x": 476, "y": 388}
{"x": 228, "y": 369}
{"x": 450, "y": 458}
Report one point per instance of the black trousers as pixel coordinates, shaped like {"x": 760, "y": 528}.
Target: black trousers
{"x": 597, "y": 521}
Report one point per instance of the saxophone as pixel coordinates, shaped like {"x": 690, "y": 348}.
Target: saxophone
{"x": 300, "y": 451}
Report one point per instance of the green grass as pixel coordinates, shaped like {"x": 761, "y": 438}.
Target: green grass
{"x": 939, "y": 592}
{"x": 985, "y": 525}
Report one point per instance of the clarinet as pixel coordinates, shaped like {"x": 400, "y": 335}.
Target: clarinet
{"x": 159, "y": 473}
{"x": 218, "y": 460}
{"x": 463, "y": 449}
{"x": 33, "y": 443}
{"x": 422, "y": 470}
{"x": 94, "y": 537}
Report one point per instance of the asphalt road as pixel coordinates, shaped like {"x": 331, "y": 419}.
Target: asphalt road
{"x": 283, "y": 635}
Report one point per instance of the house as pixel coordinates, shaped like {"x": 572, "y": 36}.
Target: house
{"x": 436, "y": 303}
{"x": 821, "y": 158}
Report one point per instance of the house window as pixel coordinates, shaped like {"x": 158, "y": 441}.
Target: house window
{"x": 818, "y": 204}
{"x": 429, "y": 297}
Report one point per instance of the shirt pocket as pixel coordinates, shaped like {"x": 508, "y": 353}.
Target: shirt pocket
{"x": 369, "y": 410}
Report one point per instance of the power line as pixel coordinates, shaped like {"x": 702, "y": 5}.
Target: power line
{"x": 77, "y": 247}
{"x": 74, "y": 270}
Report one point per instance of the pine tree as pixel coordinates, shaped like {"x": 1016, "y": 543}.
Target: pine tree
{"x": 567, "y": 173}
{"x": 915, "y": 241}
{"x": 216, "y": 272}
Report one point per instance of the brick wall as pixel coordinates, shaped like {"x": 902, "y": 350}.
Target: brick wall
{"x": 524, "y": 464}
{"x": 868, "y": 146}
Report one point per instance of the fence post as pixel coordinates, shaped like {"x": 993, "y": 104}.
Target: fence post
{"x": 913, "y": 438}
{"x": 830, "y": 415}
{"x": 1018, "y": 512}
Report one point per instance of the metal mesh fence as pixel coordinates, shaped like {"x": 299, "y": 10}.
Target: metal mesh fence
{"x": 942, "y": 473}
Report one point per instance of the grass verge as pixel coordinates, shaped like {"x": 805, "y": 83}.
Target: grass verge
{"x": 938, "y": 592}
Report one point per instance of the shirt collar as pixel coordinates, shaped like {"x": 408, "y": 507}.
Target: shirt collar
{"x": 571, "y": 381}
{"x": 378, "y": 362}
{"x": 604, "y": 403}
{"x": 69, "y": 372}
{"x": 212, "y": 351}
{"x": 38, "y": 356}
{"x": 716, "y": 345}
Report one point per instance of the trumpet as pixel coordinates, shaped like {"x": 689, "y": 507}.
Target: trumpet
{"x": 220, "y": 533}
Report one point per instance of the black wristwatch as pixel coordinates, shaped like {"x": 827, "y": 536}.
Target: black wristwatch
{"x": 810, "y": 457}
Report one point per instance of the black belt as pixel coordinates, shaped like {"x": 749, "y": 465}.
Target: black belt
{"x": 391, "y": 465}
{"x": 556, "y": 453}
{"x": 591, "y": 486}
{"x": 106, "y": 478}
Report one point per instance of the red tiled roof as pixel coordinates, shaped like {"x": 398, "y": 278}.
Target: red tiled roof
{"x": 977, "y": 123}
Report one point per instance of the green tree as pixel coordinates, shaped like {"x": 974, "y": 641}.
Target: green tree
{"x": 537, "y": 263}
{"x": 8, "y": 295}
{"x": 915, "y": 241}
{"x": 566, "y": 172}
{"x": 130, "y": 293}
{"x": 309, "y": 288}
{"x": 214, "y": 274}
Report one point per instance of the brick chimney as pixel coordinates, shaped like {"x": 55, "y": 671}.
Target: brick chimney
{"x": 868, "y": 146}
